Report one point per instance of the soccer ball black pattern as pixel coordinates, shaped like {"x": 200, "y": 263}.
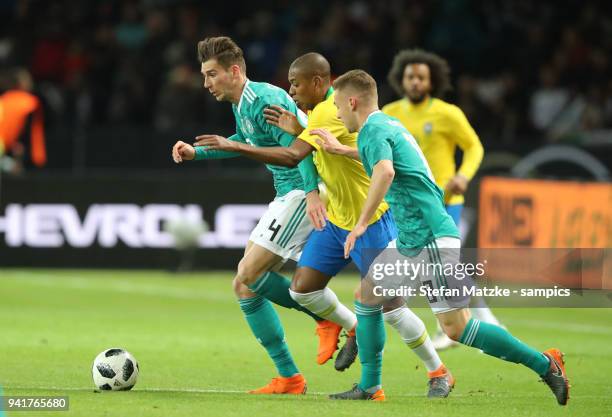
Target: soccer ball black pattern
{"x": 115, "y": 369}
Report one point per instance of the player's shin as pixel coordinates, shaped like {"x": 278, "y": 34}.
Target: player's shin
{"x": 497, "y": 341}
{"x": 412, "y": 331}
{"x": 275, "y": 287}
{"x": 266, "y": 326}
{"x": 371, "y": 341}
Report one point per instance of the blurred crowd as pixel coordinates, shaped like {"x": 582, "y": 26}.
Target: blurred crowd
{"x": 523, "y": 70}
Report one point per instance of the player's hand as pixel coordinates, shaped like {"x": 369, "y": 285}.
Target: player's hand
{"x": 215, "y": 142}
{"x": 182, "y": 151}
{"x": 352, "y": 237}
{"x": 457, "y": 185}
{"x": 284, "y": 119}
{"x": 328, "y": 142}
{"x": 315, "y": 208}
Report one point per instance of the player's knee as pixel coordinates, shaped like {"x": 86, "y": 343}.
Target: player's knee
{"x": 299, "y": 284}
{"x": 452, "y": 328}
{"x": 241, "y": 290}
{"x": 453, "y": 323}
{"x": 453, "y": 332}
{"x": 247, "y": 272}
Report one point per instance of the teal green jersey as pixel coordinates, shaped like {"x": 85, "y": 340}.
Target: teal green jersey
{"x": 416, "y": 202}
{"x": 252, "y": 128}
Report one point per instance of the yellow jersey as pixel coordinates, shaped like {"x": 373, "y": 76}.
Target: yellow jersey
{"x": 439, "y": 127}
{"x": 345, "y": 178}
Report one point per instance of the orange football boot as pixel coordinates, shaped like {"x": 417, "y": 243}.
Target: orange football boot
{"x": 328, "y": 333}
{"x": 295, "y": 384}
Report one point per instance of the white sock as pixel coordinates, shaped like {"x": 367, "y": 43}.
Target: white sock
{"x": 484, "y": 314}
{"x": 412, "y": 331}
{"x": 324, "y": 303}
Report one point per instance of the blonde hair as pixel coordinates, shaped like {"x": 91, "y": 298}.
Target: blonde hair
{"x": 359, "y": 81}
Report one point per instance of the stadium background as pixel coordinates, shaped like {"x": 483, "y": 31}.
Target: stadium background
{"x": 119, "y": 83}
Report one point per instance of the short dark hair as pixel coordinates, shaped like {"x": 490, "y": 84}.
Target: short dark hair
{"x": 438, "y": 68}
{"x": 360, "y": 81}
{"x": 223, "y": 49}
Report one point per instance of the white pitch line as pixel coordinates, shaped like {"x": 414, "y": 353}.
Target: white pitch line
{"x": 229, "y": 391}
{"x": 194, "y": 391}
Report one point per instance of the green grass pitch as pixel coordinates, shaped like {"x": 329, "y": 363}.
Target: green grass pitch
{"x": 197, "y": 356}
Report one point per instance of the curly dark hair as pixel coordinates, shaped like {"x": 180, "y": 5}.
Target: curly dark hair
{"x": 438, "y": 68}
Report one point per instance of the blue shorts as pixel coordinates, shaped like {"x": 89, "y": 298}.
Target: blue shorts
{"x": 324, "y": 250}
{"x": 455, "y": 212}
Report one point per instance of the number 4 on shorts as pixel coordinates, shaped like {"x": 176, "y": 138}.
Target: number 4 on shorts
{"x": 274, "y": 229}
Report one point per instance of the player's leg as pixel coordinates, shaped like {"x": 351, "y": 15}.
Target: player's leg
{"x": 265, "y": 324}
{"x": 282, "y": 231}
{"x": 371, "y": 337}
{"x": 322, "y": 259}
{"x": 480, "y": 311}
{"x": 460, "y": 326}
{"x": 382, "y": 234}
{"x": 370, "y": 334}
{"x": 497, "y": 341}
{"x": 414, "y": 334}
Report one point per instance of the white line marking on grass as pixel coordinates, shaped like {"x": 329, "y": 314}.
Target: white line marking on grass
{"x": 195, "y": 391}
{"x": 230, "y": 391}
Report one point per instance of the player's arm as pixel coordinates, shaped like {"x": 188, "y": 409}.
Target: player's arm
{"x": 466, "y": 138}
{"x": 202, "y": 152}
{"x": 382, "y": 178}
{"x": 182, "y": 151}
{"x": 381, "y": 155}
{"x": 287, "y": 156}
{"x": 290, "y": 154}
{"x": 329, "y": 143}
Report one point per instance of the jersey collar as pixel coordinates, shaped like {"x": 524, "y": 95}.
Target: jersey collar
{"x": 242, "y": 95}
{"x": 330, "y": 91}
{"x": 370, "y": 115}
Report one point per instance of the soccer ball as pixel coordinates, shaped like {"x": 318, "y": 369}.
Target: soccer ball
{"x": 115, "y": 370}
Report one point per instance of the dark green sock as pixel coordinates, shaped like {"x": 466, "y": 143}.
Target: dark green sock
{"x": 371, "y": 336}
{"x": 497, "y": 341}
{"x": 275, "y": 288}
{"x": 267, "y": 328}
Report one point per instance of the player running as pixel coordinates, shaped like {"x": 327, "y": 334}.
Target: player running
{"x": 283, "y": 229}
{"x": 347, "y": 183}
{"x": 439, "y": 128}
{"x": 400, "y": 174}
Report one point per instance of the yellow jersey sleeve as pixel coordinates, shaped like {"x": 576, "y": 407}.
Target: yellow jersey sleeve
{"x": 466, "y": 138}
